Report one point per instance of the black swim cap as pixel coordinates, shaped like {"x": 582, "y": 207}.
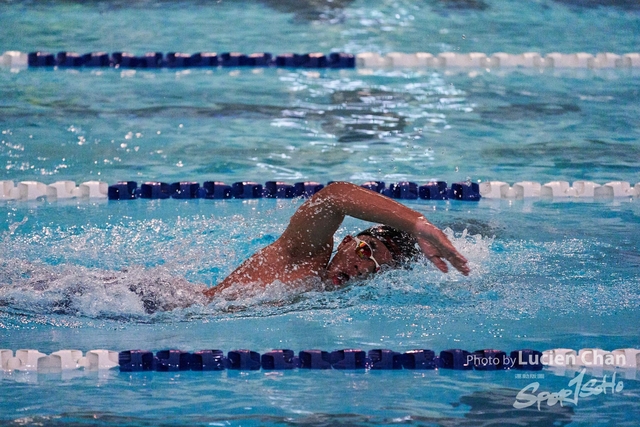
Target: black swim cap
{"x": 402, "y": 245}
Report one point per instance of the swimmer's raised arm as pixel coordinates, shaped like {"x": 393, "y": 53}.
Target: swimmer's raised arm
{"x": 304, "y": 250}
{"x": 312, "y": 227}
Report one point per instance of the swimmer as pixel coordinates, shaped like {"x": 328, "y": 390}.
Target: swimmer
{"x": 304, "y": 250}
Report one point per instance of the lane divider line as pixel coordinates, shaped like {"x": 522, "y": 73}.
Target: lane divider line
{"x": 405, "y": 190}
{"x": 336, "y": 60}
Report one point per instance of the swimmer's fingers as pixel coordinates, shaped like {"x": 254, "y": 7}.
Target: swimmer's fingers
{"x": 459, "y": 262}
{"x": 439, "y": 263}
{"x": 433, "y": 255}
{"x": 435, "y": 252}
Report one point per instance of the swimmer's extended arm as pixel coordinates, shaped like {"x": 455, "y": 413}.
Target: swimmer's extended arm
{"x": 311, "y": 229}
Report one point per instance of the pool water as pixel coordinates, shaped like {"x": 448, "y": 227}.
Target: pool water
{"x": 330, "y": 125}
{"x": 535, "y": 283}
{"x": 546, "y": 273}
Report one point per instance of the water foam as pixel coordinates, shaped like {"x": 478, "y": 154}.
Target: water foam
{"x": 34, "y": 288}
{"x": 58, "y": 271}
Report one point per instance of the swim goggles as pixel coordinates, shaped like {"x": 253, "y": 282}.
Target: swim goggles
{"x": 364, "y": 251}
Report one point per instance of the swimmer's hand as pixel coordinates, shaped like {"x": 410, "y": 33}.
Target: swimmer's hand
{"x": 438, "y": 248}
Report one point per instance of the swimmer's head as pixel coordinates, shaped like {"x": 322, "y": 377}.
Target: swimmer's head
{"x": 368, "y": 252}
{"x": 402, "y": 245}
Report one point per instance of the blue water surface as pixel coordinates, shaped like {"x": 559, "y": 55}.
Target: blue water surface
{"x": 101, "y": 276}
{"x": 307, "y": 26}
{"x": 123, "y": 275}
{"x": 306, "y": 125}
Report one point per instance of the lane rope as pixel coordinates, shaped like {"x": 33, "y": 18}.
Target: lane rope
{"x": 337, "y": 60}
{"x": 404, "y": 190}
{"x": 559, "y": 360}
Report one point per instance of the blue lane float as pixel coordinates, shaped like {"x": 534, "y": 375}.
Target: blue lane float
{"x": 186, "y": 190}
{"x": 280, "y": 360}
{"x": 469, "y": 191}
{"x": 457, "y": 359}
{"x": 263, "y": 59}
{"x": 69, "y": 59}
{"x": 377, "y": 186}
{"x": 123, "y": 190}
{"x": 315, "y": 359}
{"x": 152, "y": 60}
{"x": 41, "y": 59}
{"x": 419, "y": 359}
{"x": 404, "y": 190}
{"x": 155, "y": 190}
{"x": 278, "y": 190}
{"x": 245, "y": 360}
{"x": 121, "y": 59}
{"x": 216, "y": 190}
{"x": 349, "y": 359}
{"x": 96, "y": 59}
{"x": 173, "y": 360}
{"x": 208, "y": 360}
{"x": 183, "y": 60}
{"x": 233, "y": 59}
{"x": 436, "y": 190}
{"x": 246, "y": 190}
{"x": 306, "y": 189}
{"x": 136, "y": 361}
{"x": 384, "y": 359}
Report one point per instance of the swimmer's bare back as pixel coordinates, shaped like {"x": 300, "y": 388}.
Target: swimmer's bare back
{"x": 304, "y": 249}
